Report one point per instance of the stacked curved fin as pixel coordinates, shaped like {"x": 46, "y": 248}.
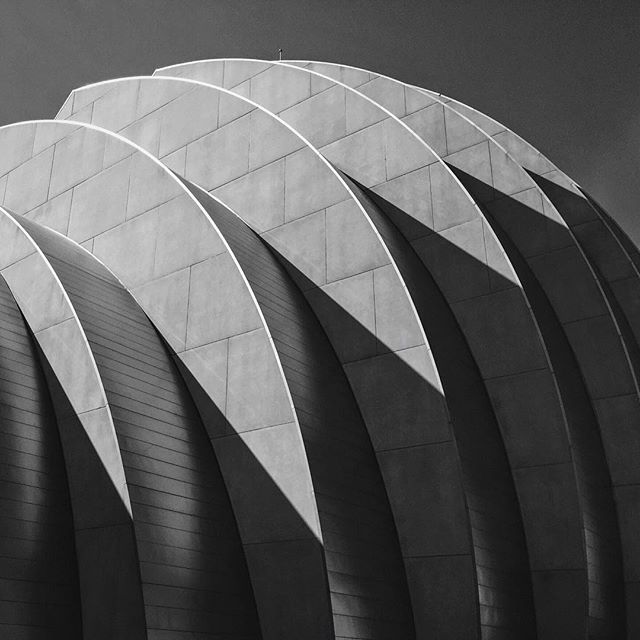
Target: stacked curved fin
{"x": 295, "y": 350}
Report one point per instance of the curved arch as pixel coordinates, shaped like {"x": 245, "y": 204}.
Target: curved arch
{"x": 547, "y": 248}
{"x": 537, "y": 163}
{"x": 364, "y": 121}
{"x": 381, "y": 363}
{"x": 364, "y": 567}
{"x": 611, "y": 255}
{"x": 617, "y": 262}
{"x": 525, "y": 477}
{"x": 221, "y": 341}
{"x": 97, "y": 486}
{"x": 192, "y": 568}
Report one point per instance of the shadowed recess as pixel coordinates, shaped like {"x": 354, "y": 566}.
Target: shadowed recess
{"x": 560, "y": 526}
{"x": 107, "y": 560}
{"x": 39, "y": 596}
{"x": 617, "y": 230}
{"x": 564, "y": 483}
{"x": 500, "y": 555}
{"x": 279, "y": 567}
{"x": 442, "y": 585}
{"x": 523, "y": 402}
{"x": 605, "y": 613}
{"x": 622, "y": 283}
{"x": 364, "y": 565}
{"x": 192, "y": 569}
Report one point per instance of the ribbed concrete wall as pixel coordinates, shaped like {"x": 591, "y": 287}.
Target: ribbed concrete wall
{"x": 350, "y": 360}
{"x": 40, "y": 596}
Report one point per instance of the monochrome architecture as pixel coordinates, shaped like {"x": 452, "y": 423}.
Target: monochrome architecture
{"x": 297, "y": 351}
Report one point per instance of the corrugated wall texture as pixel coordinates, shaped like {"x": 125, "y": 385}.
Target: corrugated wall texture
{"x": 192, "y": 567}
{"x": 39, "y": 596}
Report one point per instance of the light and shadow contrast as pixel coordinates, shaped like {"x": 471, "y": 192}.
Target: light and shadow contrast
{"x": 296, "y": 351}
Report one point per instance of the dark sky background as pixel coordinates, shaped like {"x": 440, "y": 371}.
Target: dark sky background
{"x": 564, "y": 74}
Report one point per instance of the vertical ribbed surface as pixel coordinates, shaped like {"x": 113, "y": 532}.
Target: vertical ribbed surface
{"x": 600, "y": 532}
{"x": 364, "y": 567}
{"x": 192, "y": 567}
{"x": 502, "y": 566}
{"x": 39, "y": 596}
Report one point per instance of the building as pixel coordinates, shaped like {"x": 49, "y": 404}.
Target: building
{"x": 298, "y": 351}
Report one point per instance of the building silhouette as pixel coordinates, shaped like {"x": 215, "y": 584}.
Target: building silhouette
{"x": 293, "y": 350}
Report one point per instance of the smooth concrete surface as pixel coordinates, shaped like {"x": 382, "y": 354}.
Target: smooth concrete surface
{"x": 496, "y": 526}
{"x": 303, "y": 209}
{"x": 366, "y": 368}
{"x": 570, "y": 289}
{"x": 614, "y": 259}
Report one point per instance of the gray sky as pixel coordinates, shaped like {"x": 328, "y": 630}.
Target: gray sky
{"x": 564, "y": 74}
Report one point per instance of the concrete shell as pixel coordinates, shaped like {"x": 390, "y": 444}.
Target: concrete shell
{"x": 357, "y": 151}
{"x": 362, "y": 364}
{"x": 152, "y": 206}
{"x": 357, "y": 296}
{"x": 579, "y": 310}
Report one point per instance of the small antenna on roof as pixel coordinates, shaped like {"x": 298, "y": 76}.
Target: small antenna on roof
{"x": 280, "y": 52}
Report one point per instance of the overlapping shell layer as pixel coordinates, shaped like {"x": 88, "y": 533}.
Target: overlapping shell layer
{"x": 296, "y": 351}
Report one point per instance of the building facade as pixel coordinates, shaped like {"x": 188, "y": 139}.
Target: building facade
{"x": 293, "y": 350}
